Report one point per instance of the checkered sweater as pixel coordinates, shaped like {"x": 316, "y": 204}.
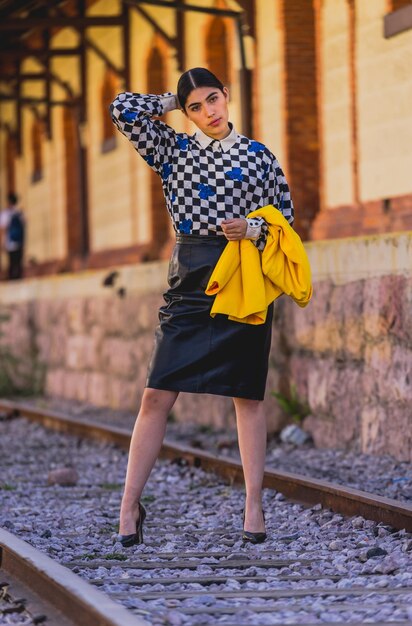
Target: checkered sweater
{"x": 204, "y": 181}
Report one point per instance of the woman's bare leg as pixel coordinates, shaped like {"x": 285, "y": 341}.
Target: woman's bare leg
{"x": 145, "y": 444}
{"x": 252, "y": 433}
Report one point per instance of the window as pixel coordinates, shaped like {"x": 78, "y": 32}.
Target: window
{"x": 160, "y": 222}
{"x": 11, "y": 154}
{"x": 37, "y": 150}
{"x": 108, "y": 93}
{"x": 217, "y": 50}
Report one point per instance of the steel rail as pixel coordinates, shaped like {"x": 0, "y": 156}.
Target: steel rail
{"x": 338, "y": 498}
{"x": 69, "y": 600}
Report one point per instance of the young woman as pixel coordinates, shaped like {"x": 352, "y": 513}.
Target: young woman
{"x": 211, "y": 181}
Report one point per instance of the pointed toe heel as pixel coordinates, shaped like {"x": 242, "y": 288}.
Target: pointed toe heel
{"x": 253, "y": 537}
{"x": 128, "y": 541}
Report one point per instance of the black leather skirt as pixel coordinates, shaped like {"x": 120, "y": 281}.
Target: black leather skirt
{"x": 194, "y": 352}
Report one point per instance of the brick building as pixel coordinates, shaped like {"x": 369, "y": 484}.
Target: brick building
{"x": 326, "y": 84}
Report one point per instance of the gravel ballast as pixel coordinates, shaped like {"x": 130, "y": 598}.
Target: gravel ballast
{"x": 381, "y": 475}
{"x": 191, "y": 512}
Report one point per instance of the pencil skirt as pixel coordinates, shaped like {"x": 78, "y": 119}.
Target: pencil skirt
{"x": 194, "y": 352}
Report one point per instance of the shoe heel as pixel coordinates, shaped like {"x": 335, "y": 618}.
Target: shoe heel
{"x": 253, "y": 537}
{"x": 128, "y": 541}
{"x": 139, "y": 526}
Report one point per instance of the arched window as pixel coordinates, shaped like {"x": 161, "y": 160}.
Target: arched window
{"x": 11, "y": 154}
{"x": 72, "y": 175}
{"x": 37, "y": 150}
{"x": 160, "y": 222}
{"x": 217, "y": 49}
{"x": 108, "y": 92}
{"x": 156, "y": 71}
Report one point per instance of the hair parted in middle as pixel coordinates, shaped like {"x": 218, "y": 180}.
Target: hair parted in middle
{"x": 194, "y": 78}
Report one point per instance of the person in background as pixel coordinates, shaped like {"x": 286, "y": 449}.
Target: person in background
{"x": 12, "y": 225}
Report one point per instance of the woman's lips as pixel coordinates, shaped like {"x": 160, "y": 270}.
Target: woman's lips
{"x": 215, "y": 122}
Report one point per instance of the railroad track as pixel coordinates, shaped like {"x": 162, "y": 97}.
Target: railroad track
{"x": 209, "y": 577}
{"x": 34, "y": 589}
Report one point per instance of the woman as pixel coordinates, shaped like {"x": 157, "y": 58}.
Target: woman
{"x": 211, "y": 181}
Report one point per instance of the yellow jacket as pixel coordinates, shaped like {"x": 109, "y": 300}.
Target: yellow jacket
{"x": 246, "y": 281}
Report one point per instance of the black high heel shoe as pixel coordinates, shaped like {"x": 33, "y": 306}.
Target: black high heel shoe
{"x": 253, "y": 537}
{"x": 128, "y": 541}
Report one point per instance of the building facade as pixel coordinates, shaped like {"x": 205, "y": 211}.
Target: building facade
{"x": 326, "y": 84}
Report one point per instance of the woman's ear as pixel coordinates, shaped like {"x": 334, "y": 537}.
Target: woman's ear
{"x": 226, "y": 93}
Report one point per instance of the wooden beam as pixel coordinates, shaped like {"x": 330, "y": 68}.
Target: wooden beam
{"x": 149, "y": 19}
{"x": 39, "y": 76}
{"x": 26, "y": 76}
{"x": 29, "y": 23}
{"x": 22, "y": 53}
{"x": 30, "y": 101}
{"x": 186, "y": 7}
{"x": 63, "y": 84}
{"x": 90, "y": 44}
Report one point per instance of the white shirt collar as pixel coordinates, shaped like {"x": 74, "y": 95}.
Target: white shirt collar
{"x": 225, "y": 143}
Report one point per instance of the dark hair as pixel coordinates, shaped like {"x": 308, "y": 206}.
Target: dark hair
{"x": 194, "y": 78}
{"x": 12, "y": 198}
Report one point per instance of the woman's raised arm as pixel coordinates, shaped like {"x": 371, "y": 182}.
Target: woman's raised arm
{"x": 133, "y": 115}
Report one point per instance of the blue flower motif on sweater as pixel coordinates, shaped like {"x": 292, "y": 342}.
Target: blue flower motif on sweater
{"x": 185, "y": 227}
{"x": 166, "y": 171}
{"x": 265, "y": 169}
{"x": 128, "y": 116}
{"x": 235, "y": 174}
{"x": 182, "y": 142}
{"x": 173, "y": 197}
{"x": 149, "y": 158}
{"x": 205, "y": 191}
{"x": 255, "y": 146}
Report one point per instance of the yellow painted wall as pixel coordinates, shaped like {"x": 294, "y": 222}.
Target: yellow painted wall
{"x": 270, "y": 83}
{"x": 384, "y": 105}
{"x": 335, "y": 103}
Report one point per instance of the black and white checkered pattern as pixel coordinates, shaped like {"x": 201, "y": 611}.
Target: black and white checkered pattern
{"x": 202, "y": 185}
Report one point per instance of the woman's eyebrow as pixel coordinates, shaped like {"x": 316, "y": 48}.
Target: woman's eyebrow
{"x": 207, "y": 98}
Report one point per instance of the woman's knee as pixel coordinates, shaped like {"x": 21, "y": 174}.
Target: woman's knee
{"x": 243, "y": 406}
{"x": 157, "y": 400}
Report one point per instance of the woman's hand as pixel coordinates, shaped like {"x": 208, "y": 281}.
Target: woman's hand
{"x": 234, "y": 229}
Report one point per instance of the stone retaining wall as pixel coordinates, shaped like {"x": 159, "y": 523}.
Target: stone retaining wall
{"x": 349, "y": 353}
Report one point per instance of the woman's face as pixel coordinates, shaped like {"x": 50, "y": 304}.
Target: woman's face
{"x": 207, "y": 108}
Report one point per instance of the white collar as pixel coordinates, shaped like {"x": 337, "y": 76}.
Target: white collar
{"x": 225, "y": 143}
